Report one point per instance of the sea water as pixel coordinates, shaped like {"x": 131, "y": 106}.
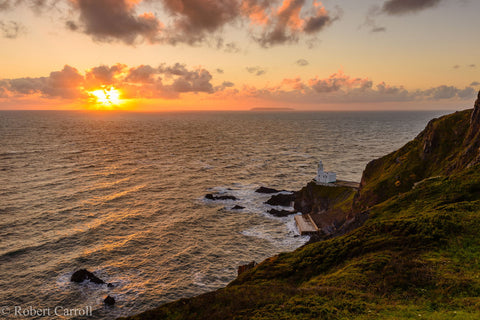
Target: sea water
{"x": 122, "y": 195}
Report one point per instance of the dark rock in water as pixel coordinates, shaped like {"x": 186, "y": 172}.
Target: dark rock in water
{"x": 237, "y": 207}
{"x": 280, "y": 213}
{"x": 210, "y": 196}
{"x": 246, "y": 267}
{"x": 266, "y": 190}
{"x": 284, "y": 200}
{"x": 109, "y": 301}
{"x": 83, "y": 274}
{"x": 110, "y": 285}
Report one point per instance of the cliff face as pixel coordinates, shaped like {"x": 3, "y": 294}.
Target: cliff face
{"x": 446, "y": 146}
{"x": 315, "y": 198}
{"x": 417, "y": 254}
{"x": 329, "y": 206}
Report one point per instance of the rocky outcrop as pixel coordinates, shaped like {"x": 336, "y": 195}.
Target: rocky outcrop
{"x": 210, "y": 196}
{"x": 284, "y": 200}
{"x": 246, "y": 267}
{"x": 109, "y": 301}
{"x": 267, "y": 190}
{"x": 237, "y": 207}
{"x": 475, "y": 119}
{"x": 83, "y": 274}
{"x": 314, "y": 198}
{"x": 280, "y": 213}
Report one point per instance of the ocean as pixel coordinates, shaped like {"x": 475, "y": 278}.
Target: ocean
{"x": 122, "y": 195}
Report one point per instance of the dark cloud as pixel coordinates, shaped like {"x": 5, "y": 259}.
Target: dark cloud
{"x": 258, "y": 71}
{"x": 398, "y": 7}
{"x": 271, "y": 22}
{"x": 370, "y": 20}
{"x": 142, "y": 74}
{"x": 223, "y": 86}
{"x": 229, "y": 47}
{"x": 71, "y": 25}
{"x": 456, "y": 66}
{"x": 316, "y": 23}
{"x": 36, "y": 5}
{"x": 103, "y": 75}
{"x": 60, "y": 84}
{"x": 395, "y": 7}
{"x": 194, "y": 19}
{"x": 291, "y": 20}
{"x": 466, "y": 93}
{"x": 193, "y": 81}
{"x": 338, "y": 81}
{"x": 220, "y": 71}
{"x": 475, "y": 83}
{"x": 227, "y": 84}
{"x": 378, "y": 29}
{"x": 11, "y": 29}
{"x": 4, "y": 5}
{"x": 448, "y": 92}
{"x": 472, "y": 65}
{"x": 107, "y": 20}
{"x": 302, "y": 62}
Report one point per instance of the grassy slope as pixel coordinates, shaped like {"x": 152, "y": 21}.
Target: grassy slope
{"x": 418, "y": 254}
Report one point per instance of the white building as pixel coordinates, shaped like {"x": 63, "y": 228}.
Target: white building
{"x": 325, "y": 177}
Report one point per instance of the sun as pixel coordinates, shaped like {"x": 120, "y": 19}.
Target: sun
{"x": 106, "y": 97}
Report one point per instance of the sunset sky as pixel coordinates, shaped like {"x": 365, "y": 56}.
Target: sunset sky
{"x": 163, "y": 55}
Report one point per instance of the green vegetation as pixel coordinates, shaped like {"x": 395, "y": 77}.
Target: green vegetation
{"x": 438, "y": 150}
{"x": 417, "y": 255}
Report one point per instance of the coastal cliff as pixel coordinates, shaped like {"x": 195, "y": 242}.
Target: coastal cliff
{"x": 416, "y": 256}
{"x": 328, "y": 206}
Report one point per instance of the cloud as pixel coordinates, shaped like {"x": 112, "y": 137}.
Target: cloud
{"x": 175, "y": 80}
{"x": 302, "y": 62}
{"x": 224, "y": 85}
{"x": 4, "y": 5}
{"x": 395, "y": 8}
{"x": 11, "y": 29}
{"x": 108, "y": 20}
{"x": 271, "y": 22}
{"x": 193, "y": 19}
{"x": 103, "y": 75}
{"x": 142, "y": 81}
{"x": 338, "y": 81}
{"x": 258, "y": 71}
{"x": 292, "y": 19}
{"x": 64, "y": 84}
{"x": 342, "y": 88}
{"x": 219, "y": 71}
{"x": 378, "y": 29}
{"x": 399, "y": 7}
{"x": 472, "y": 65}
{"x": 38, "y": 6}
{"x": 370, "y": 20}
{"x": 456, "y": 66}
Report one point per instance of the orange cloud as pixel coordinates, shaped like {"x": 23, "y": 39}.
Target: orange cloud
{"x": 136, "y": 82}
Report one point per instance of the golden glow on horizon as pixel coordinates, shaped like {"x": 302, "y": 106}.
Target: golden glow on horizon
{"x": 106, "y": 99}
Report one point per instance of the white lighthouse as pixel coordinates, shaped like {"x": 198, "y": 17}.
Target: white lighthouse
{"x": 325, "y": 177}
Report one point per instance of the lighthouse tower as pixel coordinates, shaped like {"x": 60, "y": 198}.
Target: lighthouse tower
{"x": 325, "y": 177}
